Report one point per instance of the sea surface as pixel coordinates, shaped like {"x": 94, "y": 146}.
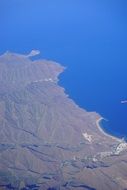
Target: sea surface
{"x": 88, "y": 37}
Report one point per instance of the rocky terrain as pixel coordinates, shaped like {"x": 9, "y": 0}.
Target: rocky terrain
{"x": 47, "y": 142}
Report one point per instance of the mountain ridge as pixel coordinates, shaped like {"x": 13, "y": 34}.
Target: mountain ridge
{"x": 46, "y": 140}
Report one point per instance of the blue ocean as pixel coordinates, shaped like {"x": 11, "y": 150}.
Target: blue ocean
{"x": 89, "y": 37}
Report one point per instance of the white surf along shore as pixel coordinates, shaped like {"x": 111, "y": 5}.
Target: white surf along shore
{"x": 106, "y": 134}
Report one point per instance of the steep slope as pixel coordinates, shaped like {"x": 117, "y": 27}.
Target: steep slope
{"x": 46, "y": 140}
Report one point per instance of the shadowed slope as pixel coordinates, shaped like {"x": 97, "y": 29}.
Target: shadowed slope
{"x": 46, "y": 140}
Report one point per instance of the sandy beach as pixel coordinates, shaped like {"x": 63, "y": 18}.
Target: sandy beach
{"x": 104, "y": 133}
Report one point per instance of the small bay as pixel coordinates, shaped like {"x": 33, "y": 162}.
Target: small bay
{"x": 87, "y": 37}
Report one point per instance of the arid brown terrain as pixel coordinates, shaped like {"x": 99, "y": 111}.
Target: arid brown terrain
{"x": 47, "y": 142}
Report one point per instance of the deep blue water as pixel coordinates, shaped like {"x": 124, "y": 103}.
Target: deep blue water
{"x": 87, "y": 36}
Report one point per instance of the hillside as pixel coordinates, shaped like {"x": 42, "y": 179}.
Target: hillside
{"x": 48, "y": 142}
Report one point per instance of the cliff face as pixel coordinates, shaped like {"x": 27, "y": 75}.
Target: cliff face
{"x": 47, "y": 141}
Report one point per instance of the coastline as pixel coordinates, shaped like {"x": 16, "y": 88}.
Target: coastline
{"x": 103, "y": 132}
{"x": 98, "y": 120}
